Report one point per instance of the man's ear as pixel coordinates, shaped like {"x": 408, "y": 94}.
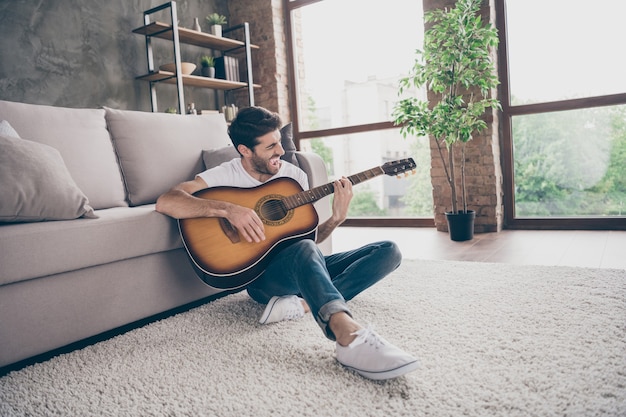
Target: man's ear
{"x": 244, "y": 150}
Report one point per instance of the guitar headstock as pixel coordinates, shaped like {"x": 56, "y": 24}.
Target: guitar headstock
{"x": 395, "y": 168}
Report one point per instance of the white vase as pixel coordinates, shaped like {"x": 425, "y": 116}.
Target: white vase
{"x": 216, "y": 30}
{"x": 196, "y": 25}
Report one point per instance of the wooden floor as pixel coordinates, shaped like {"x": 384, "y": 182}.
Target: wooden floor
{"x": 596, "y": 249}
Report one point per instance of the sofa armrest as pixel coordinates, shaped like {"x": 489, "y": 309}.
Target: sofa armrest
{"x": 315, "y": 169}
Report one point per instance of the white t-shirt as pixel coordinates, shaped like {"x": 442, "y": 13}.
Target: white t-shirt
{"x": 233, "y": 174}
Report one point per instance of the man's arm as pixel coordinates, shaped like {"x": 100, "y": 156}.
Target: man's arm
{"x": 180, "y": 203}
{"x": 341, "y": 204}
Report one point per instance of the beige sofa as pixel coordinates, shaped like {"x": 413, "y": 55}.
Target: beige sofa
{"x": 82, "y": 250}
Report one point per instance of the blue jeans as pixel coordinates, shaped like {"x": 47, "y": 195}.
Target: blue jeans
{"x": 325, "y": 282}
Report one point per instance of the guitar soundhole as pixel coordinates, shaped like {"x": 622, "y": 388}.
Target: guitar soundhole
{"x": 272, "y": 211}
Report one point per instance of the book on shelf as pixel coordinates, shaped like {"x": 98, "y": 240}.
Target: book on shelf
{"x": 227, "y": 68}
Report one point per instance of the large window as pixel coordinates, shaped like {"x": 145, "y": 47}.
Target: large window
{"x": 564, "y": 113}
{"x": 348, "y": 58}
{"x": 570, "y": 163}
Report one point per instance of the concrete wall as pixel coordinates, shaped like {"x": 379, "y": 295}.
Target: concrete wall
{"x": 79, "y": 53}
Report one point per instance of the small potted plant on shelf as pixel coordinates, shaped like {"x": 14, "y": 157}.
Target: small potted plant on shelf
{"x": 457, "y": 69}
{"x": 216, "y": 21}
{"x": 207, "y": 64}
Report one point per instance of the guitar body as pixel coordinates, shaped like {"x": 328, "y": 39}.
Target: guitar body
{"x": 221, "y": 257}
{"x": 224, "y": 260}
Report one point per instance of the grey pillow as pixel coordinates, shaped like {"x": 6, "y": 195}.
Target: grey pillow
{"x": 215, "y": 157}
{"x": 35, "y": 184}
{"x": 7, "y": 130}
{"x": 286, "y": 140}
{"x": 82, "y": 138}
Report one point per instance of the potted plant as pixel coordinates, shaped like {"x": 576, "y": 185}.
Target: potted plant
{"x": 457, "y": 69}
{"x": 207, "y": 64}
{"x": 216, "y": 21}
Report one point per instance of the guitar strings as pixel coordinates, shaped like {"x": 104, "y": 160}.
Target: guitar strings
{"x": 285, "y": 204}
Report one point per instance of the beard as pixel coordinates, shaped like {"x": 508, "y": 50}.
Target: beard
{"x": 266, "y": 166}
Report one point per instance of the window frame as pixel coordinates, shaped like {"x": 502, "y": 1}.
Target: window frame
{"x": 506, "y": 138}
{"x": 508, "y": 112}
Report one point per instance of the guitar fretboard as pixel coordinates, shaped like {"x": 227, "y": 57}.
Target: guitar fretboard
{"x": 317, "y": 193}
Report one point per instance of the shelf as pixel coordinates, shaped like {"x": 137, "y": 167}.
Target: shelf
{"x": 194, "y": 81}
{"x": 191, "y": 37}
{"x": 223, "y": 46}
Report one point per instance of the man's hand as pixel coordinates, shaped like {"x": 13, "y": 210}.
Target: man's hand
{"x": 341, "y": 202}
{"x": 247, "y": 222}
{"x": 180, "y": 203}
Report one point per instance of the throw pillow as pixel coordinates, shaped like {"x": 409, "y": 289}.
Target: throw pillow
{"x": 7, "y": 130}
{"x": 82, "y": 139}
{"x": 35, "y": 184}
{"x": 215, "y": 157}
{"x": 286, "y": 140}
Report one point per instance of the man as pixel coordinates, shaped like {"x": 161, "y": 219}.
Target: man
{"x": 299, "y": 279}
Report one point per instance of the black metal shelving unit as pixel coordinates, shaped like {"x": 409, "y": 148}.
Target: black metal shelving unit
{"x": 177, "y": 35}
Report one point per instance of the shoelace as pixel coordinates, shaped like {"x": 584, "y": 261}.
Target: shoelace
{"x": 366, "y": 335}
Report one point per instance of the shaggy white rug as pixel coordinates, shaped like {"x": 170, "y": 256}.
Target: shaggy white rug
{"x": 493, "y": 340}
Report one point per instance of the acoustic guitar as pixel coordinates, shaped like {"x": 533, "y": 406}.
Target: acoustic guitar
{"x": 224, "y": 260}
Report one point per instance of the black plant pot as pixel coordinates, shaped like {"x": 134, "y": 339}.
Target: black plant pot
{"x": 461, "y": 225}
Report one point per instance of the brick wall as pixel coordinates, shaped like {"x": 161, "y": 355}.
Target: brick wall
{"x": 269, "y": 63}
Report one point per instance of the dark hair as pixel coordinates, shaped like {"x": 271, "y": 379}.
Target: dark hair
{"x": 252, "y": 123}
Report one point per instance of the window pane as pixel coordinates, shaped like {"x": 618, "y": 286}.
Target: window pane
{"x": 382, "y": 196}
{"x": 563, "y": 49}
{"x": 570, "y": 163}
{"x": 350, "y": 55}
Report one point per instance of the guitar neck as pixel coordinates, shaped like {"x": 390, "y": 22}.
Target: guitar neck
{"x": 317, "y": 193}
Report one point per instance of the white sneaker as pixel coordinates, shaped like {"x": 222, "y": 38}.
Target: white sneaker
{"x": 373, "y": 357}
{"x": 288, "y": 307}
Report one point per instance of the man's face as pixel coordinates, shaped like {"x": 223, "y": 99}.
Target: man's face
{"x": 265, "y": 156}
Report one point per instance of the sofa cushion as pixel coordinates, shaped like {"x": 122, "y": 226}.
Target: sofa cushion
{"x": 35, "y": 184}
{"x": 158, "y": 150}
{"x": 80, "y": 135}
{"x": 32, "y": 250}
